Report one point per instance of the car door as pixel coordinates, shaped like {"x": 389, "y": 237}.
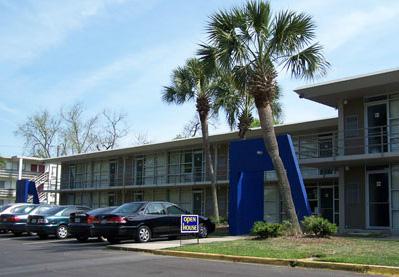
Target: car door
{"x": 155, "y": 217}
{"x": 174, "y": 212}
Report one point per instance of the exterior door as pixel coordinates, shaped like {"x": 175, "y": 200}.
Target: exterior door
{"x": 111, "y": 199}
{"x": 327, "y": 203}
{"x": 378, "y": 215}
{"x": 377, "y": 136}
{"x": 112, "y": 173}
{"x": 198, "y": 166}
{"x": 139, "y": 171}
{"x": 198, "y": 202}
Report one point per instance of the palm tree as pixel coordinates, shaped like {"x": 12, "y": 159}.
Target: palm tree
{"x": 253, "y": 39}
{"x": 195, "y": 82}
{"x": 233, "y": 98}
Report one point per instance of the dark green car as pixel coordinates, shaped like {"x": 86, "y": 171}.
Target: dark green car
{"x": 53, "y": 221}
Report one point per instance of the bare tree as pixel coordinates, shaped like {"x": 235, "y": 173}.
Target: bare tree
{"x": 112, "y": 130}
{"x": 193, "y": 128}
{"x": 79, "y": 133}
{"x": 40, "y": 132}
{"x": 141, "y": 139}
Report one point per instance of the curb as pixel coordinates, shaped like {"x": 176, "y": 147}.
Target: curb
{"x": 360, "y": 268}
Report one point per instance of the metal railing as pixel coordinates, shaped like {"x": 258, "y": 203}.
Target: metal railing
{"x": 95, "y": 181}
{"x": 7, "y": 192}
{"x": 370, "y": 140}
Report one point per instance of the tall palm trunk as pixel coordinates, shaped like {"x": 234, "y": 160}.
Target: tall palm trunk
{"x": 203, "y": 108}
{"x": 269, "y": 137}
{"x": 244, "y": 123}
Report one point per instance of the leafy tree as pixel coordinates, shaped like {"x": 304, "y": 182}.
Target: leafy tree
{"x": 195, "y": 82}
{"x": 253, "y": 40}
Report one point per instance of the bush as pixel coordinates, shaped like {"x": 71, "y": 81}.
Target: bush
{"x": 318, "y": 226}
{"x": 265, "y": 230}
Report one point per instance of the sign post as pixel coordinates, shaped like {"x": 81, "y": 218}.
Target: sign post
{"x": 189, "y": 224}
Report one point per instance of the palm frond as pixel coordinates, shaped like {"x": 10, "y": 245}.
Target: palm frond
{"x": 308, "y": 63}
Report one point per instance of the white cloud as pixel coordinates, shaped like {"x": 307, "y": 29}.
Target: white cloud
{"x": 40, "y": 25}
{"x": 342, "y": 29}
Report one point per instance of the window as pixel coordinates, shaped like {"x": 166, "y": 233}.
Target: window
{"x": 68, "y": 211}
{"x": 155, "y": 208}
{"x": 33, "y": 167}
{"x": 2, "y": 184}
{"x": 174, "y": 210}
{"x": 139, "y": 171}
{"x": 41, "y": 168}
{"x": 351, "y": 126}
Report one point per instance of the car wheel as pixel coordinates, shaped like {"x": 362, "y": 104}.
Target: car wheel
{"x": 16, "y": 233}
{"x": 143, "y": 234}
{"x": 82, "y": 238}
{"x": 62, "y": 232}
{"x": 43, "y": 236}
{"x": 203, "y": 231}
{"x": 113, "y": 240}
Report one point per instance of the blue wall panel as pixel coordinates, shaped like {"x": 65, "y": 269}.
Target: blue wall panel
{"x": 248, "y": 160}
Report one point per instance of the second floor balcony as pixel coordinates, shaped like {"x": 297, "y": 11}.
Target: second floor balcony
{"x": 352, "y": 144}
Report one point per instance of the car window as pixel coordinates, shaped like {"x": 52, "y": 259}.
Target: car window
{"x": 155, "y": 208}
{"x": 128, "y": 208}
{"x": 68, "y": 211}
{"x": 51, "y": 211}
{"x": 172, "y": 209}
{"x": 24, "y": 209}
{"x": 3, "y": 208}
{"x": 41, "y": 210}
{"x": 101, "y": 210}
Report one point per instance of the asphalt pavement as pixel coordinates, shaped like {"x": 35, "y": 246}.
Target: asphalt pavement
{"x": 29, "y": 256}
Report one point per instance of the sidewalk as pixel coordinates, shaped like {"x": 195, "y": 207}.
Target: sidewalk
{"x": 164, "y": 244}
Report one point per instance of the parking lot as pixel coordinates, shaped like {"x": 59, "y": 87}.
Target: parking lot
{"x": 29, "y": 256}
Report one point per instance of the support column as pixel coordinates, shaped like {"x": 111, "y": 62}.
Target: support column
{"x": 20, "y": 166}
{"x": 123, "y": 180}
{"x": 341, "y": 188}
{"x": 341, "y": 128}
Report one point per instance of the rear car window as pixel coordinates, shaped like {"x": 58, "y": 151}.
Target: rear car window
{"x": 155, "y": 208}
{"x": 41, "y": 210}
{"x": 24, "y": 209}
{"x": 52, "y": 211}
{"x": 128, "y": 208}
{"x": 101, "y": 210}
{"x": 3, "y": 208}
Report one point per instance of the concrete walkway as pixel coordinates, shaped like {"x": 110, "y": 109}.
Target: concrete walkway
{"x": 164, "y": 244}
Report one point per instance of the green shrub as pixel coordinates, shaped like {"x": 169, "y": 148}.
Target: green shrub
{"x": 318, "y": 226}
{"x": 265, "y": 230}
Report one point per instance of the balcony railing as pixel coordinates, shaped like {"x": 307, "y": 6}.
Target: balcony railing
{"x": 7, "y": 192}
{"x": 370, "y": 140}
{"x": 82, "y": 181}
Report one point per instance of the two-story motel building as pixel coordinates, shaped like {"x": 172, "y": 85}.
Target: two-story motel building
{"x": 350, "y": 163}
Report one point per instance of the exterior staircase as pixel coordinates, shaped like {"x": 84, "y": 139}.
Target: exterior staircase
{"x": 41, "y": 183}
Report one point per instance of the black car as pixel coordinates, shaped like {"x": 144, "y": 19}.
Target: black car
{"x": 53, "y": 221}
{"x": 144, "y": 220}
{"x": 81, "y": 224}
{"x": 14, "y": 218}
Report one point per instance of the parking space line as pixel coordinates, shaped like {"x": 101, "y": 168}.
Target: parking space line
{"x": 47, "y": 241}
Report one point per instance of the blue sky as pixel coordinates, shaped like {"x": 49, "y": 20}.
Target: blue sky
{"x": 119, "y": 54}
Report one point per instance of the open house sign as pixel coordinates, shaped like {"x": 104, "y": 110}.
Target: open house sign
{"x": 189, "y": 224}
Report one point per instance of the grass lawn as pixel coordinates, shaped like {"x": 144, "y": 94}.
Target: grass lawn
{"x": 335, "y": 249}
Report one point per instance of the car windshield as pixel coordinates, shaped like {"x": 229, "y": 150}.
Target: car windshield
{"x": 128, "y": 208}
{"x": 101, "y": 210}
{"x": 42, "y": 210}
{"x": 52, "y": 211}
{"x": 23, "y": 209}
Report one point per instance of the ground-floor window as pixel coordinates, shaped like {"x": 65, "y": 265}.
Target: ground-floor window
{"x": 395, "y": 196}
{"x": 323, "y": 199}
